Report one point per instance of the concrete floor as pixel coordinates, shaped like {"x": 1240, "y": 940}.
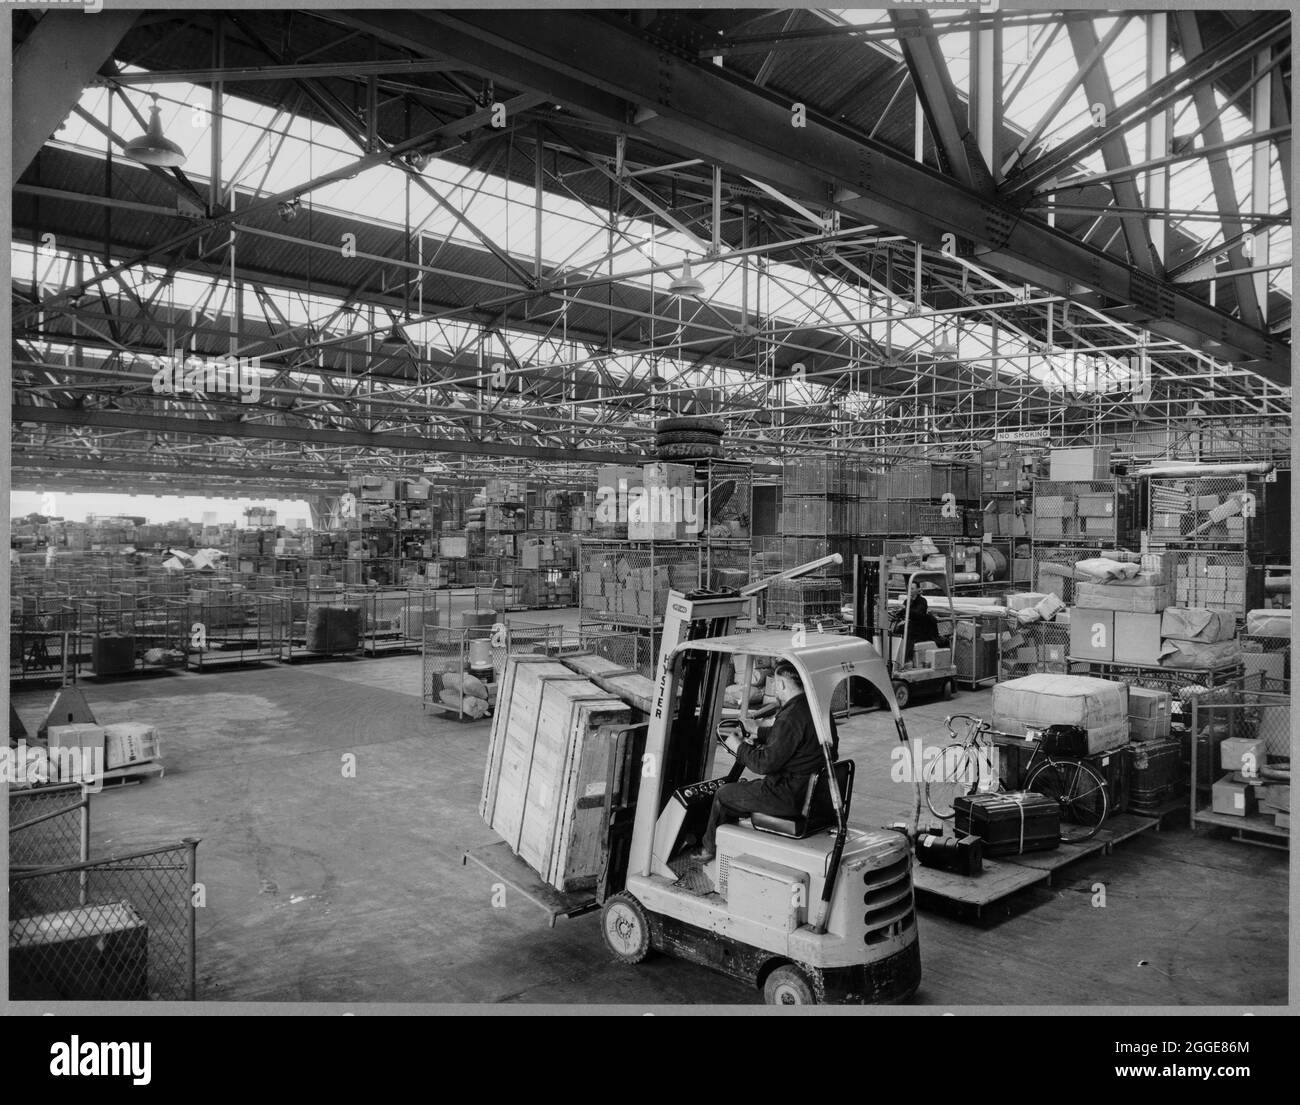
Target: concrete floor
{"x": 322, "y": 887}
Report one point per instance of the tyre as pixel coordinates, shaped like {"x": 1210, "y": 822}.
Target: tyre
{"x": 788, "y": 985}
{"x": 626, "y": 928}
{"x": 1081, "y": 793}
{"x": 695, "y": 425}
{"x": 687, "y": 437}
{"x": 952, "y": 774}
{"x": 902, "y": 694}
{"x": 949, "y": 689}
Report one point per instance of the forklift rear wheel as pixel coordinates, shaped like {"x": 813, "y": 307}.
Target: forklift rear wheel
{"x": 948, "y": 688}
{"x": 788, "y": 985}
{"x": 626, "y": 928}
{"x": 902, "y": 694}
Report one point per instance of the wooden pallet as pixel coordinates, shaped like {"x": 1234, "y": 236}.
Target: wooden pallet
{"x": 133, "y": 773}
{"x": 999, "y": 880}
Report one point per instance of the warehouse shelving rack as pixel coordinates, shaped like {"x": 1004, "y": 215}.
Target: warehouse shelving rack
{"x": 1253, "y": 714}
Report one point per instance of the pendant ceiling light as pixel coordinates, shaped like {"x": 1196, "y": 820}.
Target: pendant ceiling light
{"x": 152, "y": 147}
{"x": 687, "y": 283}
{"x": 946, "y": 345}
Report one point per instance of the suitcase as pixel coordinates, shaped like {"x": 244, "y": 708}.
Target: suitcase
{"x": 1115, "y": 767}
{"x": 113, "y": 655}
{"x": 1011, "y": 823}
{"x": 963, "y": 855}
{"x": 1157, "y": 772}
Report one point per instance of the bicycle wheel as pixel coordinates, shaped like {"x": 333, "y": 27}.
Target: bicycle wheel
{"x": 1081, "y": 793}
{"x": 952, "y": 774}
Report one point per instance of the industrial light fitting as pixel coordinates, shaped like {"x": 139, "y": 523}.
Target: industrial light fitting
{"x": 152, "y": 147}
{"x": 946, "y": 345}
{"x": 395, "y": 339}
{"x": 289, "y": 209}
{"x": 686, "y": 283}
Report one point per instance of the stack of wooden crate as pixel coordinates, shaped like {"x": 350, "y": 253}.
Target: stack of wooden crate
{"x": 547, "y": 768}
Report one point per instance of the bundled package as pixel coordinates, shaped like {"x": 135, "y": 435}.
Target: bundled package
{"x": 1191, "y": 623}
{"x": 1098, "y": 705}
{"x": 1200, "y": 657}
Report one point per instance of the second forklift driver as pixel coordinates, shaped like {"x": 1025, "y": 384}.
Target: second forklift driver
{"x": 788, "y": 757}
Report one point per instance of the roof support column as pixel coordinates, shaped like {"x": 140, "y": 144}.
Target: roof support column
{"x": 1225, "y": 190}
{"x": 986, "y": 90}
{"x": 1261, "y": 105}
{"x": 1157, "y": 132}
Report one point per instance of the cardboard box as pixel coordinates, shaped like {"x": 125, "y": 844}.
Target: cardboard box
{"x": 1092, "y": 634}
{"x": 76, "y": 752}
{"x": 1236, "y": 799}
{"x": 1143, "y": 702}
{"x": 129, "y": 742}
{"x": 1244, "y": 754}
{"x": 1282, "y": 820}
{"x": 941, "y": 658}
{"x": 1137, "y": 638}
{"x": 1080, "y": 464}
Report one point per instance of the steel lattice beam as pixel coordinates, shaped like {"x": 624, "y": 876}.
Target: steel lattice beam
{"x": 702, "y": 111}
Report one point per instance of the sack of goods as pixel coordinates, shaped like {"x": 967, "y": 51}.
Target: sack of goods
{"x": 1009, "y": 824}
{"x": 1037, "y": 701}
{"x": 465, "y": 692}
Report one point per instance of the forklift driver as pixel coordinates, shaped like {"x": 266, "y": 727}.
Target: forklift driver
{"x": 921, "y": 624}
{"x": 787, "y": 759}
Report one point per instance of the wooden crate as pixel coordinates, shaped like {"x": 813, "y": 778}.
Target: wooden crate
{"x": 548, "y": 761}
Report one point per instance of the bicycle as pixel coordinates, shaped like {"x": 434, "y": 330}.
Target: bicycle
{"x": 962, "y": 768}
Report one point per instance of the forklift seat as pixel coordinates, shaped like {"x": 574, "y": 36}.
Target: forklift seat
{"x": 818, "y": 812}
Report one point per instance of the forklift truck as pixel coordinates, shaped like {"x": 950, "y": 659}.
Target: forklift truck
{"x": 804, "y": 908}
{"x": 871, "y": 621}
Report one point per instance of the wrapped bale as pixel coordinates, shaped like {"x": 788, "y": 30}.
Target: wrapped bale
{"x": 1190, "y": 623}
{"x": 1097, "y": 705}
{"x": 1189, "y": 655}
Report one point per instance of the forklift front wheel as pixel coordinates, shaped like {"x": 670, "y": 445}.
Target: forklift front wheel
{"x": 948, "y": 688}
{"x": 626, "y": 928}
{"x": 902, "y": 694}
{"x": 787, "y": 985}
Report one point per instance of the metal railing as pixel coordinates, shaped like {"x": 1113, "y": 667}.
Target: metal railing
{"x": 49, "y": 826}
{"x": 115, "y": 929}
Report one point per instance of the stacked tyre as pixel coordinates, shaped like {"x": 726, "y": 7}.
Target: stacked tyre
{"x": 688, "y": 439}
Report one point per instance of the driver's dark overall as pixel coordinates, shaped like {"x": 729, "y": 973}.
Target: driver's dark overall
{"x": 788, "y": 757}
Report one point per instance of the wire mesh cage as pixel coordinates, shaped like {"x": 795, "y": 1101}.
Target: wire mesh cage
{"x": 1084, "y": 512}
{"x": 49, "y": 826}
{"x": 544, "y": 588}
{"x": 115, "y": 929}
{"x": 1214, "y": 579}
{"x": 234, "y": 627}
{"x": 1207, "y": 511}
{"x": 627, "y": 583}
{"x": 1266, "y": 662}
{"x": 458, "y": 667}
{"x": 43, "y": 646}
{"x": 325, "y": 621}
{"x": 808, "y": 601}
{"x": 728, "y": 499}
{"x": 1028, "y": 649}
